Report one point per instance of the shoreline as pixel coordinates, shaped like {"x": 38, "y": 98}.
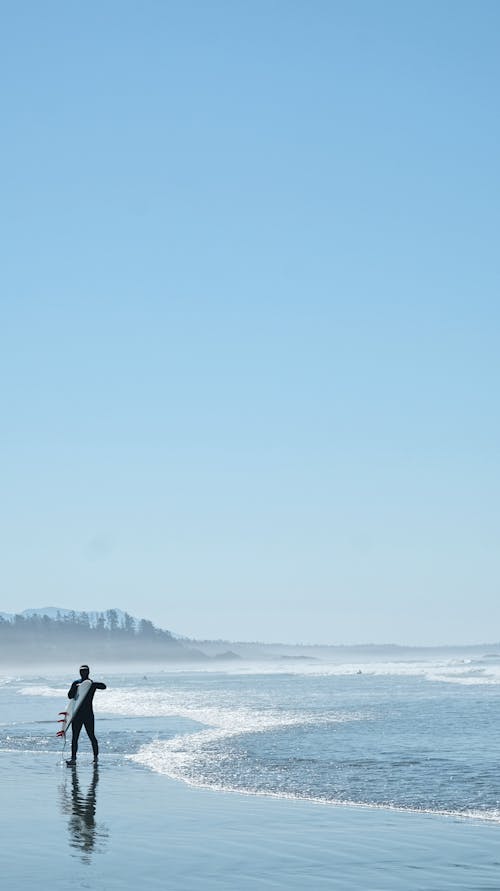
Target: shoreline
{"x": 124, "y": 826}
{"x": 472, "y": 816}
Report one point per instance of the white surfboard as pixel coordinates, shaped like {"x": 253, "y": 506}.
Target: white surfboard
{"x": 67, "y": 716}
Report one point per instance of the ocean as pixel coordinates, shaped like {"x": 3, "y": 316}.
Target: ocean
{"x": 410, "y": 736}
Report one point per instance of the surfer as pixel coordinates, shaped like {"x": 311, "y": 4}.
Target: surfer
{"x": 85, "y": 714}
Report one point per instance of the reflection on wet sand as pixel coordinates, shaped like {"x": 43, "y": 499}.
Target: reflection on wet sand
{"x": 86, "y": 835}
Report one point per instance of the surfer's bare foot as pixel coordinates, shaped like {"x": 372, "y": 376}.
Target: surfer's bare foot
{"x": 71, "y": 762}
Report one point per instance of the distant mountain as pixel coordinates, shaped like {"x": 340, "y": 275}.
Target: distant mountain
{"x": 53, "y": 634}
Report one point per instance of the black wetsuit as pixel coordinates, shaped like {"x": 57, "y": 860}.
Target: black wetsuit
{"x": 84, "y": 717}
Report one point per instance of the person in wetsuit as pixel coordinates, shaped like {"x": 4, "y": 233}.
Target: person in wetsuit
{"x": 84, "y": 716}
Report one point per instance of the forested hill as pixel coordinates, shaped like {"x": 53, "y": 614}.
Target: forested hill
{"x": 112, "y": 635}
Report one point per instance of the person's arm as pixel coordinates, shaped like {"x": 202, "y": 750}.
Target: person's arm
{"x": 72, "y": 690}
{"x": 99, "y": 685}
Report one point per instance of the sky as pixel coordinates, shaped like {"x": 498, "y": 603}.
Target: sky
{"x": 249, "y": 320}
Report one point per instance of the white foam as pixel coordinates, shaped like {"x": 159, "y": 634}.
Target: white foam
{"x": 180, "y": 756}
{"x": 466, "y": 671}
{"x": 50, "y": 692}
{"x": 451, "y": 671}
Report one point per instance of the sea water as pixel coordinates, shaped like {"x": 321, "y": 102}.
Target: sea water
{"x": 416, "y": 736}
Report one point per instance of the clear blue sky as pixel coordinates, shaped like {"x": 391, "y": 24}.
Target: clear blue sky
{"x": 249, "y": 333}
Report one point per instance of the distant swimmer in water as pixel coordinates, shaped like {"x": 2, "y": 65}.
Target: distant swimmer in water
{"x": 85, "y": 714}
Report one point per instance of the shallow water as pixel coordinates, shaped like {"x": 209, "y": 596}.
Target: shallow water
{"x": 411, "y": 736}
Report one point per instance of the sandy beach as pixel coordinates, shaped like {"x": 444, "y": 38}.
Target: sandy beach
{"x": 124, "y": 827}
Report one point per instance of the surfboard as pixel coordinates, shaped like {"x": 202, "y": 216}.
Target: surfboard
{"x": 66, "y": 717}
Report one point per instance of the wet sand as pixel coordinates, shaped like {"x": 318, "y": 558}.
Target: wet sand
{"x": 123, "y": 827}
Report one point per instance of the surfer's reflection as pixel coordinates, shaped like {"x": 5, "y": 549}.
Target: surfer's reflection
{"x": 85, "y": 834}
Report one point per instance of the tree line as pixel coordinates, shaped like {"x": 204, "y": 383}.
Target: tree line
{"x": 106, "y": 636}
